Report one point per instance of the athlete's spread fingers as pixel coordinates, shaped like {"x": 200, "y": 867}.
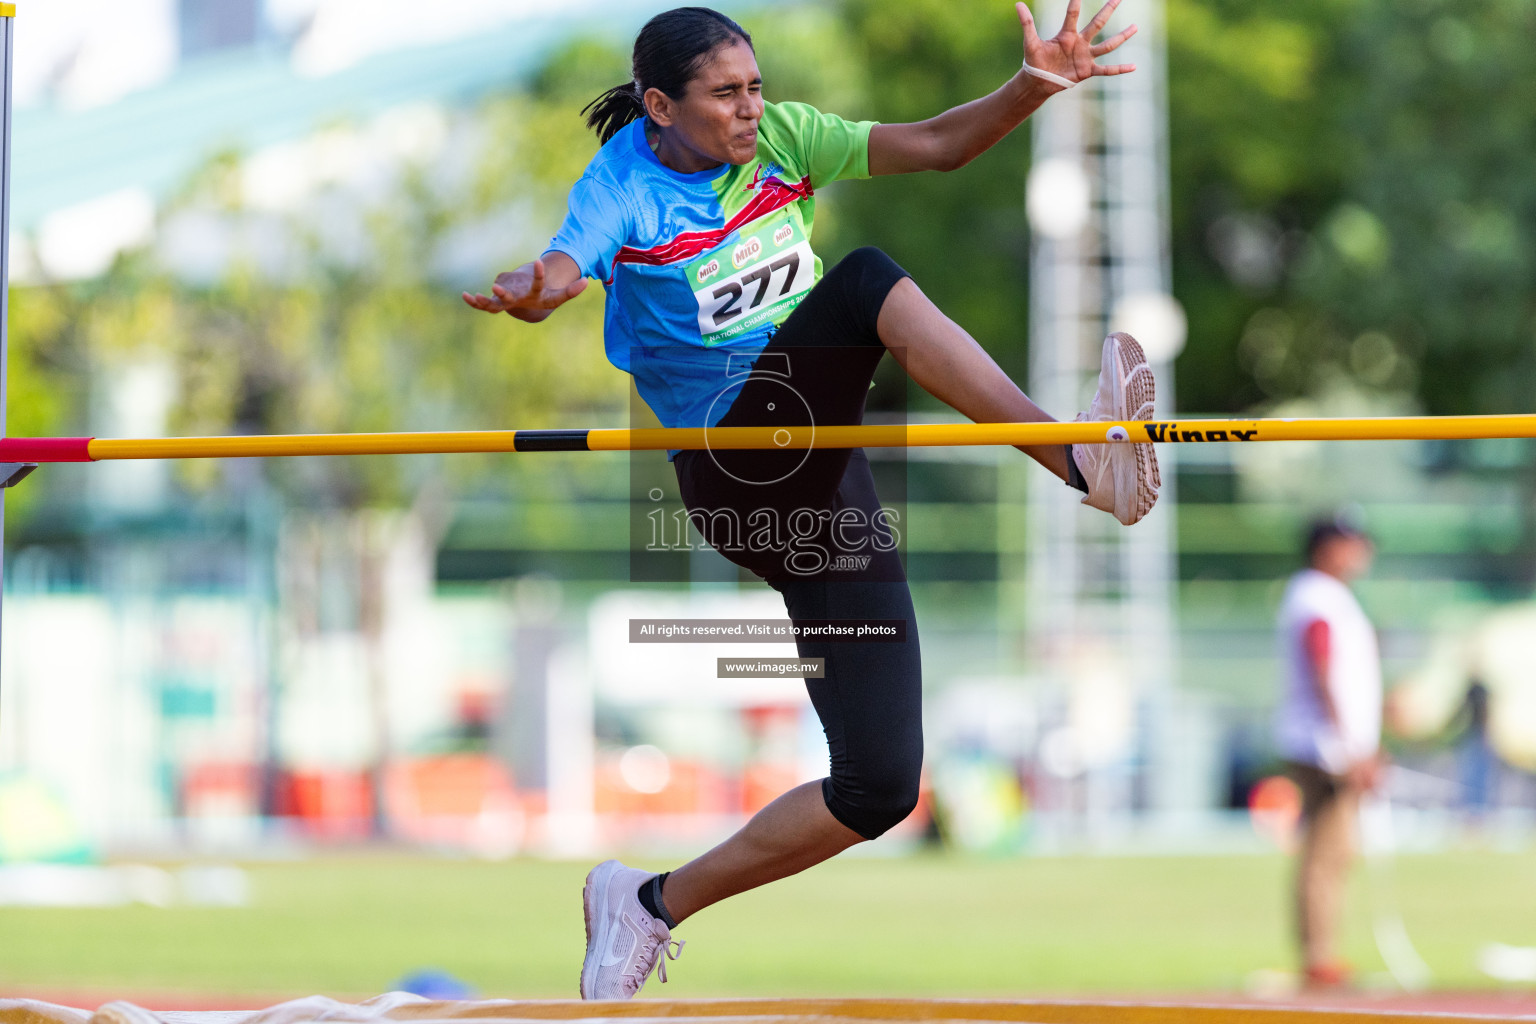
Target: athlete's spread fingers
{"x": 1074, "y": 11}
{"x": 1027, "y": 20}
{"x": 1113, "y": 69}
{"x": 480, "y": 302}
{"x": 1095, "y": 26}
{"x": 1113, "y": 42}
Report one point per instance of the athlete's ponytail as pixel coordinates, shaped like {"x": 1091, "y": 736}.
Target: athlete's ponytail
{"x": 669, "y": 53}
{"x": 614, "y": 109}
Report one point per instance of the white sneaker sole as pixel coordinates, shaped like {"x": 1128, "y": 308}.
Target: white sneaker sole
{"x": 1137, "y": 389}
{"x": 594, "y": 901}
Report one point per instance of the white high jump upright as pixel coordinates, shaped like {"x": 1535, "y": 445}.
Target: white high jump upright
{"x": 9, "y": 474}
{"x": 1100, "y": 597}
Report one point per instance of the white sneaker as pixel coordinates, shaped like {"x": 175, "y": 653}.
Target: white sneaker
{"x": 1122, "y": 478}
{"x": 624, "y": 942}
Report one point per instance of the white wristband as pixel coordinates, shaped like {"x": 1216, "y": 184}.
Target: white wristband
{"x": 1065, "y": 83}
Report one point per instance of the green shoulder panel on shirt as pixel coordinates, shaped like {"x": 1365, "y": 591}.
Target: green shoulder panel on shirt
{"x": 823, "y": 146}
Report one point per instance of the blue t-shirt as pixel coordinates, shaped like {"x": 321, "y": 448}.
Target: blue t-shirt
{"x": 700, "y": 269}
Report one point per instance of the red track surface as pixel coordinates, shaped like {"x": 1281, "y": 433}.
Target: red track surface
{"x": 1498, "y": 1003}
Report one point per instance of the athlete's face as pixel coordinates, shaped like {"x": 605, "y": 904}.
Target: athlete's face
{"x": 715, "y": 122}
{"x": 1347, "y": 558}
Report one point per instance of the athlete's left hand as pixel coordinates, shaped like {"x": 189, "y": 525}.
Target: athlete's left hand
{"x": 1071, "y": 54}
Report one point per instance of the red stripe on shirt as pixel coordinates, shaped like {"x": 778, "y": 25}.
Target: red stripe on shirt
{"x": 774, "y": 195}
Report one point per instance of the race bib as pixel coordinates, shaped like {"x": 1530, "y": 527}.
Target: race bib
{"x": 743, "y": 286}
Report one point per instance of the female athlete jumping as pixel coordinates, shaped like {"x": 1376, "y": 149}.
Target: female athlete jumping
{"x": 696, "y": 216}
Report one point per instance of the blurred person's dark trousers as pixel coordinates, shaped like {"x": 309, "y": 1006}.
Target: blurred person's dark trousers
{"x": 1330, "y": 808}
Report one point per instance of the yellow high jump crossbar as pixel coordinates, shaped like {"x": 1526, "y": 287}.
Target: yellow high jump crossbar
{"x": 918, "y": 435}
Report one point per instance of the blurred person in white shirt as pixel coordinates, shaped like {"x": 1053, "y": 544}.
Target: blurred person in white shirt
{"x": 1329, "y": 729}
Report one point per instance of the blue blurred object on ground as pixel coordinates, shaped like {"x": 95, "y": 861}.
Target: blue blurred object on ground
{"x": 431, "y": 983}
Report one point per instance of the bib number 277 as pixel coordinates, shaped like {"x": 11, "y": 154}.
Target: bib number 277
{"x": 762, "y": 277}
{"x": 754, "y": 294}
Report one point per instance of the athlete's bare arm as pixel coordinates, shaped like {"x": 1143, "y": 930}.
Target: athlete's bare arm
{"x": 533, "y": 290}
{"x": 958, "y": 136}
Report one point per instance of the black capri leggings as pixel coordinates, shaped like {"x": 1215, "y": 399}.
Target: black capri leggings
{"x": 811, "y": 525}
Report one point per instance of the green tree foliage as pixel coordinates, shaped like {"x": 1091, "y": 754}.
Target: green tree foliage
{"x": 1251, "y": 101}
{"x": 1352, "y": 201}
{"x": 1430, "y": 254}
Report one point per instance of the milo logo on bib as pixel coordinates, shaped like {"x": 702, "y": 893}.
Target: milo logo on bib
{"x": 754, "y": 281}
{"x": 746, "y": 252}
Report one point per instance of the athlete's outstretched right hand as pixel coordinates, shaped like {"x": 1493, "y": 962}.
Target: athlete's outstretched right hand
{"x": 533, "y": 290}
{"x": 1071, "y": 53}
